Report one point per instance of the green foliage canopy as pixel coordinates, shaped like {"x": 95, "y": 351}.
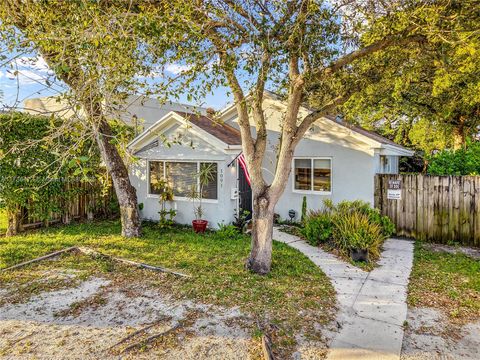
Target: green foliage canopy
{"x": 34, "y": 166}
{"x": 464, "y": 161}
{"x": 425, "y": 94}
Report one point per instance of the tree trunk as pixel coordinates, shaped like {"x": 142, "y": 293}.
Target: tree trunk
{"x": 260, "y": 260}
{"x": 13, "y": 217}
{"x": 459, "y": 141}
{"x": 126, "y": 194}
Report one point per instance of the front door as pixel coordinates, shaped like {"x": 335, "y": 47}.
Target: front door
{"x": 244, "y": 194}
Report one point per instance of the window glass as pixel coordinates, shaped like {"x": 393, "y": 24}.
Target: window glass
{"x": 303, "y": 174}
{"x": 210, "y": 189}
{"x": 322, "y": 174}
{"x": 181, "y": 176}
{"x": 156, "y": 173}
{"x": 385, "y": 167}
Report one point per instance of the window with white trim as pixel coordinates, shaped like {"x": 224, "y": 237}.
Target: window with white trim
{"x": 312, "y": 174}
{"x": 181, "y": 176}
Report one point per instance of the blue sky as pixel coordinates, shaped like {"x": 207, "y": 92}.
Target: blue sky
{"x": 25, "y": 77}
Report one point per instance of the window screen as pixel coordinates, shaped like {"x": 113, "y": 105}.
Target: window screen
{"x": 181, "y": 176}
{"x": 210, "y": 189}
{"x": 322, "y": 174}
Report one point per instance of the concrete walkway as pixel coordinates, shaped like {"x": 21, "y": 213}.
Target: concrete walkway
{"x": 372, "y": 304}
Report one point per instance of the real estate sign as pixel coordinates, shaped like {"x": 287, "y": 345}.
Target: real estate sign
{"x": 394, "y": 191}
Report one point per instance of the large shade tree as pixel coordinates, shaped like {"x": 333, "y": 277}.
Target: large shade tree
{"x": 94, "y": 54}
{"x": 426, "y": 95}
{"x": 295, "y": 47}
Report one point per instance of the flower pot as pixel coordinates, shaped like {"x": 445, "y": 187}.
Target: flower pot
{"x": 359, "y": 255}
{"x": 199, "y": 226}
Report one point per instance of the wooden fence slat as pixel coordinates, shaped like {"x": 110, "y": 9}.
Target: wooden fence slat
{"x": 419, "y": 210}
{"x": 476, "y": 210}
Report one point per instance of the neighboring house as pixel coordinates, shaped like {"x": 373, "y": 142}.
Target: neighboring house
{"x": 334, "y": 160}
{"x": 139, "y": 111}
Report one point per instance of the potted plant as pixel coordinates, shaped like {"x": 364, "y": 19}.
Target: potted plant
{"x": 204, "y": 176}
{"x": 359, "y": 254}
{"x": 356, "y": 235}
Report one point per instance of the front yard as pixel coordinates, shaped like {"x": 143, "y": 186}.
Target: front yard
{"x": 280, "y": 304}
{"x": 444, "y": 304}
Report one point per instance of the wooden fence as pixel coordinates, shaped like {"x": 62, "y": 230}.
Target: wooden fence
{"x": 440, "y": 209}
{"x": 86, "y": 204}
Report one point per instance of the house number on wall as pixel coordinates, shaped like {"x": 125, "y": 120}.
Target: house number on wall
{"x": 221, "y": 178}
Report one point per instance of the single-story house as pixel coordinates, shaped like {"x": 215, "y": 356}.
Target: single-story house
{"x": 335, "y": 160}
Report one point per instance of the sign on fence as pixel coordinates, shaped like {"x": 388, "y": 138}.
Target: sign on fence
{"x": 394, "y": 191}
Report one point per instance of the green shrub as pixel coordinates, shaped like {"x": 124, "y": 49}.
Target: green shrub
{"x": 354, "y": 230}
{"x": 318, "y": 227}
{"x": 345, "y": 207}
{"x": 304, "y": 209}
{"x": 456, "y": 162}
{"x": 350, "y": 225}
{"x": 227, "y": 232}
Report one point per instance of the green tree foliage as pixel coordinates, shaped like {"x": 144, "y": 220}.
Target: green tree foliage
{"x": 425, "y": 94}
{"x": 464, "y": 161}
{"x": 35, "y": 167}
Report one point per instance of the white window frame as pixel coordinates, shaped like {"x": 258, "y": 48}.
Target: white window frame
{"x": 312, "y": 192}
{"x": 182, "y": 198}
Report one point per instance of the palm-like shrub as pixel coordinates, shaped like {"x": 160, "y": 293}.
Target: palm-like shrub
{"x": 348, "y": 225}
{"x": 354, "y": 230}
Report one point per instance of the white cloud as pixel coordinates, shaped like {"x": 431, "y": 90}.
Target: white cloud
{"x": 26, "y": 77}
{"x": 28, "y": 70}
{"x": 176, "y": 68}
{"x": 35, "y": 63}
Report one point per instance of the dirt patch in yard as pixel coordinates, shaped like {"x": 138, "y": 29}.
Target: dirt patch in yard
{"x": 85, "y": 309}
{"x": 430, "y": 335}
{"x": 87, "y": 320}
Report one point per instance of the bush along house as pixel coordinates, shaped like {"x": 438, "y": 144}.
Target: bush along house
{"x": 335, "y": 160}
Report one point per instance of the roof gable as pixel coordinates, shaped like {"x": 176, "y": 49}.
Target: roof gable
{"x": 368, "y": 137}
{"x": 220, "y": 130}
{"x": 218, "y": 135}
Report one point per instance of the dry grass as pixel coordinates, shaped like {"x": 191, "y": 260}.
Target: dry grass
{"x": 447, "y": 282}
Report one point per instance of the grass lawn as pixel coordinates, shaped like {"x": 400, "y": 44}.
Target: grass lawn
{"x": 3, "y": 222}
{"x": 448, "y": 282}
{"x": 295, "y": 296}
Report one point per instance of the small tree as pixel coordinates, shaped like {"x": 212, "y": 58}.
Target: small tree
{"x": 206, "y": 175}
{"x": 304, "y": 209}
{"x": 165, "y": 196}
{"x": 92, "y": 49}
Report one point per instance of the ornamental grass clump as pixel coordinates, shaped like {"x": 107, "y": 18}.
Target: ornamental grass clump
{"x": 349, "y": 226}
{"x": 354, "y": 231}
